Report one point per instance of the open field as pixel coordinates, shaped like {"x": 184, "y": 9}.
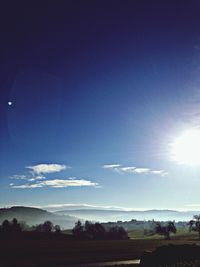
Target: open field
{"x": 182, "y": 233}
{"x": 67, "y": 252}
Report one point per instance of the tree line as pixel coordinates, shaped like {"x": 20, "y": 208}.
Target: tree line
{"x": 166, "y": 230}
{"x": 15, "y": 227}
{"x": 95, "y": 231}
{"x": 88, "y": 230}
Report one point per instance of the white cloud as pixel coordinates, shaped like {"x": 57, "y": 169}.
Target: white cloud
{"x": 142, "y": 170}
{"x": 31, "y": 179}
{"x": 111, "y": 166}
{"x": 127, "y": 169}
{"x": 135, "y": 170}
{"x": 47, "y": 168}
{"x": 39, "y": 177}
{"x": 28, "y": 177}
{"x": 58, "y": 183}
{"x": 67, "y": 183}
{"x": 23, "y": 186}
{"x": 18, "y": 176}
{"x": 36, "y": 172}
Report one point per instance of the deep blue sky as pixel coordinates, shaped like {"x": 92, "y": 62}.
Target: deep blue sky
{"x": 96, "y": 83}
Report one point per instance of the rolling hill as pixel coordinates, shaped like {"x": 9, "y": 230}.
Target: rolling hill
{"x": 33, "y": 216}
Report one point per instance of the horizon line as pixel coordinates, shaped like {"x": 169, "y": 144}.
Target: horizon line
{"x": 57, "y": 207}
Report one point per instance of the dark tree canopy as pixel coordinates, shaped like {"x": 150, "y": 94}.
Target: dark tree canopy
{"x": 45, "y": 227}
{"x": 97, "y": 231}
{"x": 57, "y": 229}
{"x": 12, "y": 227}
{"x": 165, "y": 230}
{"x": 117, "y": 232}
{"x": 78, "y": 229}
{"x": 194, "y": 225}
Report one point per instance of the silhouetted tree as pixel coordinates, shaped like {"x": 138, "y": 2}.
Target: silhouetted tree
{"x": 78, "y": 229}
{"x": 46, "y": 227}
{"x": 117, "y": 232}
{"x": 94, "y": 230}
{"x": 165, "y": 230}
{"x": 194, "y": 225}
{"x": 6, "y": 226}
{"x": 38, "y": 228}
{"x": 16, "y": 227}
{"x": 12, "y": 227}
{"x": 89, "y": 230}
{"x": 57, "y": 229}
{"x": 97, "y": 231}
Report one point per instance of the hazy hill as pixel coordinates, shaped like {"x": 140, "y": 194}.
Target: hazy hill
{"x": 103, "y": 215}
{"x": 67, "y": 218}
{"x": 34, "y": 216}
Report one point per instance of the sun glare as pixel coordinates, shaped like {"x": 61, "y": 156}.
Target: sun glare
{"x": 186, "y": 148}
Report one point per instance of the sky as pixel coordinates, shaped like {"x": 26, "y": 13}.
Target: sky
{"x": 93, "y": 95}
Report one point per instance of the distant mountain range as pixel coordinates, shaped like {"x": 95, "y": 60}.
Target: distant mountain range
{"x": 103, "y": 215}
{"x": 67, "y": 218}
{"x": 33, "y": 216}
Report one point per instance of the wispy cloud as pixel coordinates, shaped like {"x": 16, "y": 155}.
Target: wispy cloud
{"x": 47, "y": 168}
{"x": 24, "y": 186}
{"x": 19, "y": 177}
{"x": 57, "y": 183}
{"x": 111, "y": 166}
{"x": 28, "y": 177}
{"x": 127, "y": 169}
{"x": 132, "y": 169}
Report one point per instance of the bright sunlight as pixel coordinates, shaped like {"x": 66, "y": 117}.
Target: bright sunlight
{"x": 186, "y": 148}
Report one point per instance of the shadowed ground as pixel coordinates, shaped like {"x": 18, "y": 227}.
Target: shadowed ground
{"x": 57, "y": 253}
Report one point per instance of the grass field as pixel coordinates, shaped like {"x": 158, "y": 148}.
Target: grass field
{"x": 67, "y": 252}
{"x": 182, "y": 233}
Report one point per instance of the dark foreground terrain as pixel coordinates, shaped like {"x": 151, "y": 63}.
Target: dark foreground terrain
{"x": 60, "y": 253}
